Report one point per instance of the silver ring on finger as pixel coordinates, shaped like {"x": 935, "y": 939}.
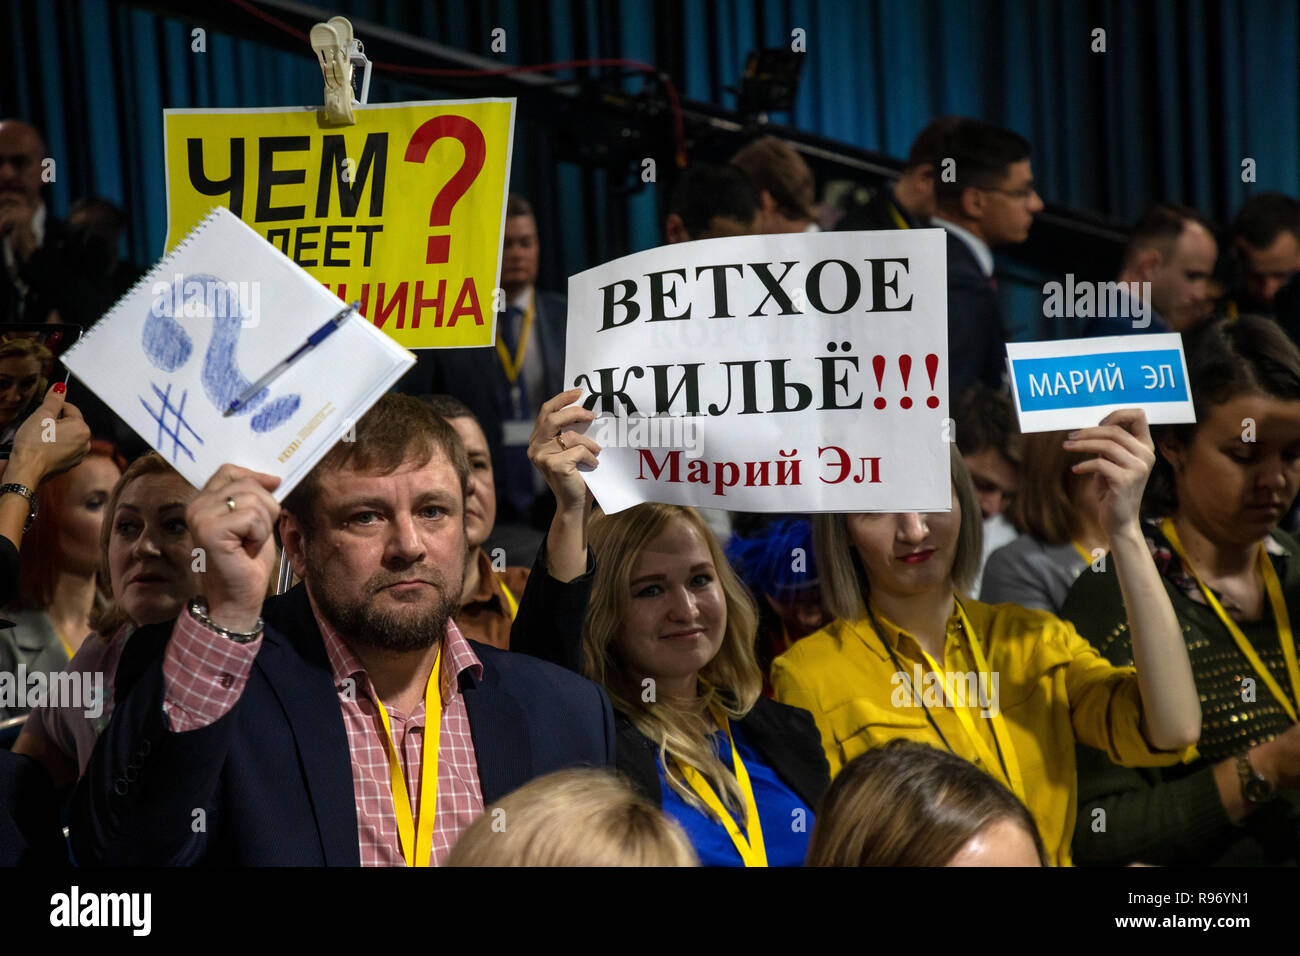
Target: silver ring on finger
{"x": 230, "y": 502}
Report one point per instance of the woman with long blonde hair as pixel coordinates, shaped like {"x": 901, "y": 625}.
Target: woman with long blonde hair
{"x": 653, "y": 613}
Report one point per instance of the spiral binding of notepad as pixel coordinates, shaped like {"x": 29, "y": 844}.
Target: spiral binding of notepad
{"x": 150, "y": 278}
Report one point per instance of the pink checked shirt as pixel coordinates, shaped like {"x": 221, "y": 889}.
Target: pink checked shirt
{"x": 204, "y": 674}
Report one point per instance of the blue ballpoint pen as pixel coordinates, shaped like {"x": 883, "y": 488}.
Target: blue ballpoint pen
{"x": 315, "y": 339}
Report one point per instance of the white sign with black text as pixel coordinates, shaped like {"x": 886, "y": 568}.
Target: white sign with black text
{"x": 803, "y": 372}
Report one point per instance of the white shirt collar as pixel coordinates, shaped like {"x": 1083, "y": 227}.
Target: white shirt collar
{"x": 523, "y": 300}
{"x": 983, "y": 254}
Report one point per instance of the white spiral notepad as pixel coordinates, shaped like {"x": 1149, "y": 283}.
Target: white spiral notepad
{"x": 214, "y": 315}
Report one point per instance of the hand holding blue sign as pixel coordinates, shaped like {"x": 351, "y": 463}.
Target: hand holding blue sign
{"x": 1125, "y": 456}
{"x": 1069, "y": 383}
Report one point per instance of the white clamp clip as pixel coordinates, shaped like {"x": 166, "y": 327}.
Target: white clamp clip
{"x": 340, "y": 54}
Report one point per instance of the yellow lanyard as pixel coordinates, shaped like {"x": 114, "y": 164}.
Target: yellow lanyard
{"x": 418, "y": 848}
{"x": 1280, "y": 616}
{"x": 899, "y": 221}
{"x": 66, "y": 646}
{"x": 512, "y": 605}
{"x": 512, "y": 366}
{"x": 751, "y": 850}
{"x": 1008, "y": 763}
{"x": 1087, "y": 558}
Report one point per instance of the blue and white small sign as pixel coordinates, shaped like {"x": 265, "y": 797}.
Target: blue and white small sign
{"x": 1075, "y": 383}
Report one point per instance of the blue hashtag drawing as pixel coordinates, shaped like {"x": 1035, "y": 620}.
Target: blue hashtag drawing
{"x": 174, "y": 431}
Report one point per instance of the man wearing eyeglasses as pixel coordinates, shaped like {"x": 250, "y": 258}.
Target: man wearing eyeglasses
{"x": 985, "y": 198}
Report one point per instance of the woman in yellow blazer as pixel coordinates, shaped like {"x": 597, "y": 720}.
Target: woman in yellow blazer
{"x": 1009, "y": 689}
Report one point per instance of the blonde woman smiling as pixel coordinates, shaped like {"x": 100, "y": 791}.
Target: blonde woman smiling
{"x": 655, "y": 615}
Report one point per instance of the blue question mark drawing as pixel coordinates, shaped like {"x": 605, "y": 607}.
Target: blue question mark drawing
{"x": 169, "y": 347}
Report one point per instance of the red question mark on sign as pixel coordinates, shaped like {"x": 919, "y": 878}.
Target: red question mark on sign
{"x": 471, "y": 137}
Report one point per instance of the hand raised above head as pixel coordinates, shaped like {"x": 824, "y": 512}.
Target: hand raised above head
{"x": 557, "y": 453}
{"x": 1125, "y": 455}
{"x": 50, "y": 440}
{"x": 232, "y": 521}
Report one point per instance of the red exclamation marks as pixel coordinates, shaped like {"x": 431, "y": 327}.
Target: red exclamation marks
{"x": 932, "y": 369}
{"x": 878, "y": 365}
{"x": 905, "y": 367}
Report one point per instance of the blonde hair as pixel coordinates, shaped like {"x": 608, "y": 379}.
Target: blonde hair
{"x": 909, "y": 804}
{"x": 1044, "y": 505}
{"x": 24, "y": 345}
{"x": 731, "y": 681}
{"x": 844, "y": 580}
{"x": 573, "y": 818}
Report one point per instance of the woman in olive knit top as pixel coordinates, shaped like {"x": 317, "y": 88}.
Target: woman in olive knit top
{"x": 1213, "y": 503}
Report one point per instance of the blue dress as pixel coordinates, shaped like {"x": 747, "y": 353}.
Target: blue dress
{"x": 786, "y": 820}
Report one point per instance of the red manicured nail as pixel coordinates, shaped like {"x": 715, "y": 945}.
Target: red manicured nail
{"x": 59, "y": 388}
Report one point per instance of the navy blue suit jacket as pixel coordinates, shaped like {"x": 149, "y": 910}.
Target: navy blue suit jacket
{"x": 977, "y": 335}
{"x": 274, "y": 776}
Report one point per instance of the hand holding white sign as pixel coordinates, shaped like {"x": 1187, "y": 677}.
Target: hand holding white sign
{"x": 232, "y": 521}
{"x": 803, "y": 372}
{"x": 557, "y": 453}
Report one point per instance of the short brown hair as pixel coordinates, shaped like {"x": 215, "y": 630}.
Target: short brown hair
{"x": 1160, "y": 227}
{"x": 773, "y": 166}
{"x": 517, "y": 205}
{"x": 448, "y": 406}
{"x": 982, "y": 156}
{"x": 909, "y": 804}
{"x": 397, "y": 429}
{"x": 844, "y": 579}
{"x": 573, "y": 818}
{"x": 986, "y": 419}
{"x": 927, "y": 148}
{"x": 1044, "y": 504}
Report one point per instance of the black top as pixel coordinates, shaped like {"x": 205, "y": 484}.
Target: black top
{"x": 883, "y": 211}
{"x": 549, "y": 625}
{"x": 1173, "y": 816}
{"x": 8, "y": 570}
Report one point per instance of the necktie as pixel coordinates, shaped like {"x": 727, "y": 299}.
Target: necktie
{"x": 518, "y": 477}
{"x": 517, "y": 392}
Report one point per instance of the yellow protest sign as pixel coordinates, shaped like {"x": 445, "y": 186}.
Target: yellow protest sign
{"x": 404, "y": 211}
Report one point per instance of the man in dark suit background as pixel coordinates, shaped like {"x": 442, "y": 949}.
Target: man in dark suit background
{"x": 985, "y": 198}
{"x": 1266, "y": 240}
{"x": 299, "y": 737}
{"x": 506, "y": 386}
{"x": 1168, "y": 266}
{"x": 908, "y": 202}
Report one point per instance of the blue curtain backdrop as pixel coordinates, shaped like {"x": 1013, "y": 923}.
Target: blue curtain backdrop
{"x": 1184, "y": 92}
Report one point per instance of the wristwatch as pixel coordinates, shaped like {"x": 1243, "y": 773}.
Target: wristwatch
{"x": 198, "y": 609}
{"x": 17, "y": 489}
{"x": 1255, "y": 787}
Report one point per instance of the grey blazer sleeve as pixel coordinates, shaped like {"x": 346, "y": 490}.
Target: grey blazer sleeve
{"x": 1014, "y": 576}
